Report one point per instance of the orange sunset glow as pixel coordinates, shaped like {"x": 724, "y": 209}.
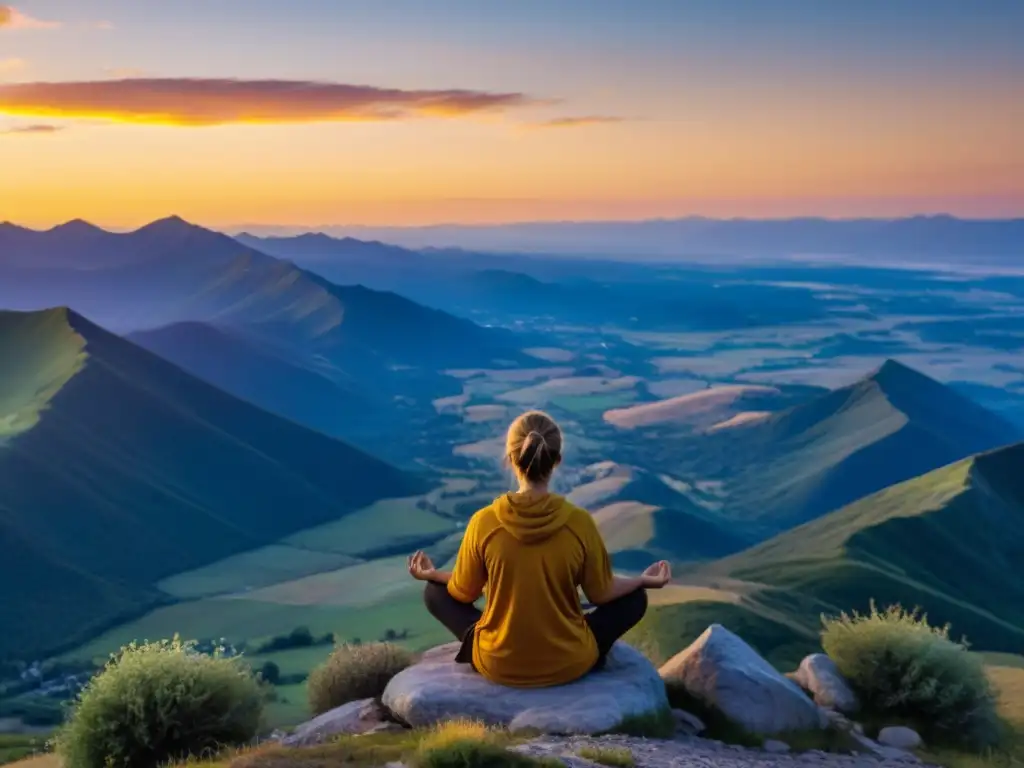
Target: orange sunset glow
{"x": 120, "y": 115}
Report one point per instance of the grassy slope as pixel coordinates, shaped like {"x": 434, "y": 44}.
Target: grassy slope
{"x": 815, "y": 458}
{"x": 947, "y": 541}
{"x": 136, "y": 471}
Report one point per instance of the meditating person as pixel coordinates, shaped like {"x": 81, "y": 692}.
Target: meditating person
{"x": 533, "y": 550}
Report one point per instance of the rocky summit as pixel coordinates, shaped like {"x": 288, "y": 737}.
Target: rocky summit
{"x": 437, "y": 689}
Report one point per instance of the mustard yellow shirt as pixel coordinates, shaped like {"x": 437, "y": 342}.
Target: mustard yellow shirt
{"x": 532, "y": 554}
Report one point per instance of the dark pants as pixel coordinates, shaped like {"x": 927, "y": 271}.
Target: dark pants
{"x": 608, "y": 622}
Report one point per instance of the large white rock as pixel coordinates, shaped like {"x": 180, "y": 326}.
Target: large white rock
{"x": 724, "y": 672}
{"x": 437, "y": 689}
{"x": 819, "y": 675}
{"x": 355, "y": 717}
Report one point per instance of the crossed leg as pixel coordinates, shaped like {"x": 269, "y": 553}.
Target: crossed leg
{"x": 608, "y": 622}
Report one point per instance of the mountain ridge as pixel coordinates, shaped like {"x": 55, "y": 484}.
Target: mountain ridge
{"x": 813, "y": 458}
{"x": 945, "y": 541}
{"x": 165, "y": 470}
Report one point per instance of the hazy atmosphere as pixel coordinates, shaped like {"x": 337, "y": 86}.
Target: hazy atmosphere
{"x": 283, "y": 286}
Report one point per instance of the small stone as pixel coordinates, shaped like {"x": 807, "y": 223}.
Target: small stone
{"x": 775, "y": 747}
{"x": 688, "y": 723}
{"x": 819, "y": 676}
{"x": 899, "y": 736}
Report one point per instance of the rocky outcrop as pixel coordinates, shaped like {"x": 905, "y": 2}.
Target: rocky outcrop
{"x": 821, "y": 678}
{"x": 725, "y": 673}
{"x": 437, "y": 689}
{"x": 355, "y": 717}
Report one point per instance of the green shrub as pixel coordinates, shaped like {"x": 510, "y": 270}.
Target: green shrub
{"x": 355, "y": 672}
{"x": 159, "y": 702}
{"x": 906, "y": 670}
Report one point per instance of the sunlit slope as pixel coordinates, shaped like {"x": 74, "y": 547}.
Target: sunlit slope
{"x": 135, "y": 471}
{"x": 951, "y": 542}
{"x": 817, "y": 457}
{"x": 41, "y": 353}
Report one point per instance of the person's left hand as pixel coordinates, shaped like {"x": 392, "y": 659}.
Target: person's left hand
{"x": 421, "y": 567}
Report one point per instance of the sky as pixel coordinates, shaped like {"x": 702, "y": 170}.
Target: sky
{"x": 403, "y": 112}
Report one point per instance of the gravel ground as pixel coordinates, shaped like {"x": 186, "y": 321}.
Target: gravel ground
{"x": 693, "y": 752}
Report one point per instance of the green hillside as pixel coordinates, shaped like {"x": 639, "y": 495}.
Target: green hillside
{"x": 819, "y": 456}
{"x": 950, "y": 542}
{"x": 119, "y": 470}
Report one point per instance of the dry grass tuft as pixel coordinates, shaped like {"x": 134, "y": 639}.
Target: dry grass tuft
{"x": 615, "y": 757}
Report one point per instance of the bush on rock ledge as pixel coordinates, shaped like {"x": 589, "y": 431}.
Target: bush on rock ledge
{"x": 902, "y": 668}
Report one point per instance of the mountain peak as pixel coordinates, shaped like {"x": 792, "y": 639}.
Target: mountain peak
{"x": 894, "y": 373}
{"x": 77, "y": 227}
{"x": 168, "y": 225}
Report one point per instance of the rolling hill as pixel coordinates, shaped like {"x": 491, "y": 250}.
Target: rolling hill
{"x": 644, "y": 517}
{"x": 799, "y": 464}
{"x": 709, "y": 409}
{"x": 119, "y": 469}
{"x": 950, "y": 542}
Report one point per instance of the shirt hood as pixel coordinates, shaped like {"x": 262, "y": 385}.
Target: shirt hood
{"x": 532, "y": 518}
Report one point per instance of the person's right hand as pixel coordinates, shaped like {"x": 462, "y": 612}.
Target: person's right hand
{"x": 421, "y": 567}
{"x": 657, "y": 576}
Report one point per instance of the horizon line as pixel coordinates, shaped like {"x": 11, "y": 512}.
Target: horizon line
{"x": 241, "y": 229}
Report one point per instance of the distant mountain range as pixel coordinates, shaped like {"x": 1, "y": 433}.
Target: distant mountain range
{"x": 339, "y": 353}
{"x": 484, "y": 285}
{"x": 172, "y": 271}
{"x": 917, "y": 238}
{"x": 119, "y": 469}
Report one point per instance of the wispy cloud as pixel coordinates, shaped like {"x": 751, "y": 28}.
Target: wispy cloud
{"x": 12, "y": 18}
{"x": 578, "y": 122}
{"x": 202, "y": 102}
{"x": 31, "y": 129}
{"x": 11, "y": 65}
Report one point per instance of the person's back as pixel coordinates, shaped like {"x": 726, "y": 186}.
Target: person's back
{"x": 532, "y": 550}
